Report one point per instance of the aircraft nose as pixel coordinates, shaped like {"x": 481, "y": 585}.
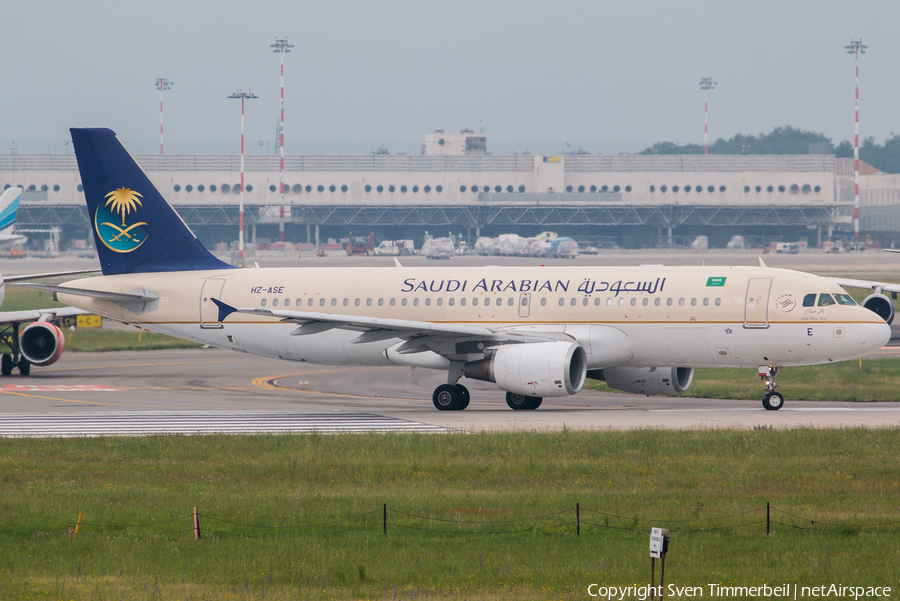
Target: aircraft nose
{"x": 873, "y": 336}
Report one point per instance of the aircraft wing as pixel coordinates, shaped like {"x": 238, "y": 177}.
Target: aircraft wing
{"x": 866, "y": 284}
{"x": 376, "y": 328}
{"x": 38, "y": 314}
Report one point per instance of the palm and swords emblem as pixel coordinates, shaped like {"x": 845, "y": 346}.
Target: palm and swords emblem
{"x": 120, "y": 203}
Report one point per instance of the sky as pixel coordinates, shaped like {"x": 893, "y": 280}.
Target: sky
{"x": 619, "y": 75}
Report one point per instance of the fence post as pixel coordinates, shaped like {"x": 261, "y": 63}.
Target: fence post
{"x": 768, "y": 522}
{"x": 577, "y": 519}
{"x": 196, "y": 525}
{"x": 385, "y": 519}
{"x": 77, "y": 526}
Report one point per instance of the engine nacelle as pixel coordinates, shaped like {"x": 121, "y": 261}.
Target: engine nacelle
{"x": 539, "y": 369}
{"x": 42, "y": 343}
{"x": 657, "y": 381}
{"x": 880, "y": 305}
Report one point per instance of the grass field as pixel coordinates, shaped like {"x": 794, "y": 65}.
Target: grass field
{"x": 486, "y": 487}
{"x": 877, "y": 380}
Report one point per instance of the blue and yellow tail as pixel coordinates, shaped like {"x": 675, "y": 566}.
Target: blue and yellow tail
{"x": 135, "y": 229}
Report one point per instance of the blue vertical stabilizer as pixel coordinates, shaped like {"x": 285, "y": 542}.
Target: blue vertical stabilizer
{"x": 135, "y": 229}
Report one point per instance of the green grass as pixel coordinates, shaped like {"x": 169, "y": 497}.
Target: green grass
{"x": 878, "y": 380}
{"x": 845, "y": 477}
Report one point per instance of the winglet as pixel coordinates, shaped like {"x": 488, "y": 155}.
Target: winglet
{"x": 224, "y": 309}
{"x": 762, "y": 263}
{"x": 397, "y": 262}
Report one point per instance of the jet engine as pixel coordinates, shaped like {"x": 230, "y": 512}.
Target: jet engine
{"x": 42, "y": 343}
{"x": 538, "y": 369}
{"x": 881, "y": 306}
{"x": 657, "y": 381}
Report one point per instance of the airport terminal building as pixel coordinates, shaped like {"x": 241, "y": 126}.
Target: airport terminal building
{"x": 635, "y": 201}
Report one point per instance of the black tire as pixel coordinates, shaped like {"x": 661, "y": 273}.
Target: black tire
{"x": 518, "y": 402}
{"x": 463, "y": 397}
{"x": 536, "y": 402}
{"x": 446, "y": 398}
{"x": 6, "y": 364}
{"x": 773, "y": 401}
{"x": 24, "y": 367}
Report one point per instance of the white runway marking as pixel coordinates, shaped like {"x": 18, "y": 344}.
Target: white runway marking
{"x": 849, "y": 409}
{"x": 228, "y": 422}
{"x": 58, "y": 388}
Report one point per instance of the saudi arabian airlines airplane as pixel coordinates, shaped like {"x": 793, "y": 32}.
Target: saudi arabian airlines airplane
{"x": 534, "y": 331}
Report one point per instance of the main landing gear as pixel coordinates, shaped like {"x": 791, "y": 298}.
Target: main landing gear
{"x": 10, "y": 361}
{"x": 450, "y": 397}
{"x": 773, "y": 401}
{"x": 520, "y": 401}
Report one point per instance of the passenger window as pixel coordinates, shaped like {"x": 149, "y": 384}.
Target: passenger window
{"x": 346, "y": 302}
{"x": 334, "y": 302}
{"x": 311, "y": 301}
{"x": 657, "y": 301}
{"x": 705, "y": 302}
{"x": 368, "y": 302}
{"x": 487, "y": 301}
{"x": 415, "y": 302}
{"x": 380, "y": 302}
{"x": 633, "y": 301}
{"x": 680, "y": 302}
{"x": 299, "y": 302}
{"x": 621, "y": 302}
{"x": 393, "y": 302}
{"x": 809, "y": 300}
{"x": 511, "y": 302}
{"x": 262, "y": 303}
{"x": 609, "y": 302}
{"x": 440, "y": 302}
{"x": 403, "y": 302}
{"x": 450, "y": 301}
{"x": 474, "y": 302}
{"x": 321, "y": 302}
{"x": 462, "y": 302}
{"x": 356, "y": 303}
{"x": 427, "y": 302}
{"x": 645, "y": 302}
{"x": 668, "y": 302}
{"x": 573, "y": 302}
{"x": 825, "y": 300}
{"x": 693, "y": 302}
{"x": 845, "y": 299}
{"x": 274, "y": 302}
{"x": 597, "y": 301}
{"x": 718, "y": 301}
{"x": 287, "y": 302}
{"x": 562, "y": 302}
{"x": 584, "y": 301}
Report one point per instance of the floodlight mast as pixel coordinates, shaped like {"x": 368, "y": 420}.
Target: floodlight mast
{"x": 706, "y": 84}
{"x": 242, "y": 96}
{"x": 281, "y": 46}
{"x": 162, "y": 84}
{"x": 856, "y": 48}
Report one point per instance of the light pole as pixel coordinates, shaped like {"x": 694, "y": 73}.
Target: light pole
{"x": 162, "y": 84}
{"x": 856, "y": 48}
{"x": 281, "y": 46}
{"x": 242, "y": 96}
{"x": 706, "y": 84}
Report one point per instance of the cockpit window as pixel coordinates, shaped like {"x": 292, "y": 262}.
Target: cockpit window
{"x": 845, "y": 299}
{"x": 825, "y": 300}
{"x": 809, "y": 300}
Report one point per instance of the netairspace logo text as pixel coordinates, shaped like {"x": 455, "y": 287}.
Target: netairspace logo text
{"x": 716, "y": 591}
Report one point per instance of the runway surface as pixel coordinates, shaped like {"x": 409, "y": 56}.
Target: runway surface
{"x": 222, "y": 391}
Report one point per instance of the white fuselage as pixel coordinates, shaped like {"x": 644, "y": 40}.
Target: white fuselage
{"x": 647, "y": 316}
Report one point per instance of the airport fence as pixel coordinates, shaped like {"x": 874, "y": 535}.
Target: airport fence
{"x": 385, "y": 520}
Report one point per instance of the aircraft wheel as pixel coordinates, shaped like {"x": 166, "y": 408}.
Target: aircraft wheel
{"x": 773, "y": 401}
{"x": 24, "y": 367}
{"x": 519, "y": 401}
{"x": 446, "y": 398}
{"x": 6, "y": 364}
{"x": 536, "y": 402}
{"x": 463, "y": 397}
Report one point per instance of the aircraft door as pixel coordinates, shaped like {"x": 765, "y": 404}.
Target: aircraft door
{"x": 209, "y": 312}
{"x": 756, "y": 303}
{"x": 524, "y": 304}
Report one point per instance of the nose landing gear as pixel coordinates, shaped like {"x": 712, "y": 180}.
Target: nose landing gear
{"x": 773, "y": 401}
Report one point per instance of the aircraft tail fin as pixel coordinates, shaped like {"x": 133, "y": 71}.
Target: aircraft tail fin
{"x": 135, "y": 229}
{"x": 9, "y": 205}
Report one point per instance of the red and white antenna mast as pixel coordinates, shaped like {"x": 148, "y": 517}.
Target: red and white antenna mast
{"x": 706, "y": 84}
{"x": 281, "y": 46}
{"x": 162, "y": 84}
{"x": 242, "y": 96}
{"x": 856, "y": 48}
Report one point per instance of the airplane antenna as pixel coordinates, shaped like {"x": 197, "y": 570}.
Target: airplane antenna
{"x": 706, "y": 84}
{"x": 856, "y": 48}
{"x": 242, "y": 96}
{"x": 281, "y": 46}
{"x": 161, "y": 84}
{"x": 762, "y": 263}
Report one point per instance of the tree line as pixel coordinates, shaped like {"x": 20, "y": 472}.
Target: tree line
{"x": 791, "y": 140}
